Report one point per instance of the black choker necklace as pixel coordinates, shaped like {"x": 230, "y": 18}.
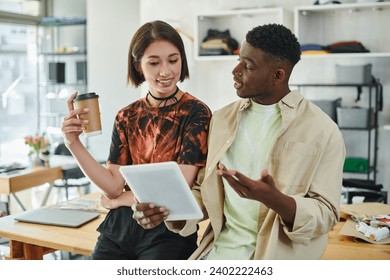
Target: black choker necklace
{"x": 164, "y": 98}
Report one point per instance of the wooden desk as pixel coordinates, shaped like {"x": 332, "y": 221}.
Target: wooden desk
{"x": 12, "y": 182}
{"x": 60, "y": 167}
{"x": 32, "y": 241}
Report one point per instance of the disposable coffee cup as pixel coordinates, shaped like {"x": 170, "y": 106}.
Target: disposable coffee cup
{"x": 91, "y": 101}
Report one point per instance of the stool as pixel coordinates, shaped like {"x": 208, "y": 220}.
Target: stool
{"x": 73, "y": 177}
{"x": 73, "y": 183}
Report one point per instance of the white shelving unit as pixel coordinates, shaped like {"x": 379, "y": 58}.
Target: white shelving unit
{"x": 238, "y": 22}
{"x": 61, "y": 42}
{"x": 327, "y": 24}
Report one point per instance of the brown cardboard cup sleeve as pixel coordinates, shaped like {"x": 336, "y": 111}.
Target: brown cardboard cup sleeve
{"x": 91, "y": 101}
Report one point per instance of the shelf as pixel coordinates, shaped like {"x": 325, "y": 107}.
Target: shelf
{"x": 217, "y": 58}
{"x": 50, "y": 84}
{"x": 62, "y": 40}
{"x": 371, "y": 169}
{"x": 13, "y": 52}
{"x": 357, "y": 128}
{"x": 351, "y": 7}
{"x": 62, "y": 65}
{"x": 238, "y": 22}
{"x": 63, "y": 54}
{"x": 335, "y": 85}
{"x": 374, "y": 90}
{"x": 347, "y": 55}
{"x": 62, "y": 21}
{"x": 328, "y": 24}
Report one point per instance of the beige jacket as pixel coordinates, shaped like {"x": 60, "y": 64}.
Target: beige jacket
{"x": 306, "y": 162}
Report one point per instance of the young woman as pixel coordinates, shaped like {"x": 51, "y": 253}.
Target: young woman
{"x": 165, "y": 125}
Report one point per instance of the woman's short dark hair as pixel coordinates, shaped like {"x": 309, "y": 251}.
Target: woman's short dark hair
{"x": 277, "y": 41}
{"x": 146, "y": 35}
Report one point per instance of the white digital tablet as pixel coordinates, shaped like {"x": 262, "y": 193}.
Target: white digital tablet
{"x": 164, "y": 185}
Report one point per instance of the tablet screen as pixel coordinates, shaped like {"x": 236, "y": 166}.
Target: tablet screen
{"x": 164, "y": 185}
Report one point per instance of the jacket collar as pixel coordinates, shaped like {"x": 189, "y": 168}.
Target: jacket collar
{"x": 291, "y": 100}
{"x": 245, "y": 103}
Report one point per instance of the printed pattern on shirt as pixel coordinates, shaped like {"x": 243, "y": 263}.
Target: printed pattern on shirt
{"x": 177, "y": 132}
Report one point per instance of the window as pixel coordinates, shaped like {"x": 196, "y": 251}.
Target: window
{"x": 18, "y": 78}
{"x": 26, "y": 7}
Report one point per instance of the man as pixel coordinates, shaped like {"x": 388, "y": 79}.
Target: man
{"x": 272, "y": 182}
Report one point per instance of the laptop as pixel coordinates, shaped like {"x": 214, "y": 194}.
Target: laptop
{"x": 57, "y": 217}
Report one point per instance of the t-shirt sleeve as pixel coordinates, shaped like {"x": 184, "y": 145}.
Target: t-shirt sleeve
{"x": 119, "y": 149}
{"x": 193, "y": 150}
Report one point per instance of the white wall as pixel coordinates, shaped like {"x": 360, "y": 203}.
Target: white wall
{"x": 110, "y": 28}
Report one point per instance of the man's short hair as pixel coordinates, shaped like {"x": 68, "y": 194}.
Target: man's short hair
{"x": 275, "y": 40}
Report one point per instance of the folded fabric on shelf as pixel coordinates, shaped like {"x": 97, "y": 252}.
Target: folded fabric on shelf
{"x": 219, "y": 40}
{"x": 346, "y": 47}
{"x": 311, "y": 47}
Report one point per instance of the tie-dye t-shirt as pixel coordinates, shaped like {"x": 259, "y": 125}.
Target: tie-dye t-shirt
{"x": 177, "y": 132}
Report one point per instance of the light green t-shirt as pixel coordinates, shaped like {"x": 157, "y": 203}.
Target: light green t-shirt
{"x": 248, "y": 154}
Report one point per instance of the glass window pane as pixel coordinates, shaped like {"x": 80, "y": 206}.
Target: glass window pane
{"x": 24, "y": 7}
{"x": 18, "y": 88}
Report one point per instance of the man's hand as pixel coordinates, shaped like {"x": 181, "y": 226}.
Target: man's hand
{"x": 149, "y": 215}
{"x": 260, "y": 190}
{"x": 263, "y": 190}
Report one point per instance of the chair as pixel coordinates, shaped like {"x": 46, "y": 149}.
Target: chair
{"x": 72, "y": 177}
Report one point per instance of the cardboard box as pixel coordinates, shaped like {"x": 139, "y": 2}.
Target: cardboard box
{"x": 355, "y": 165}
{"x": 329, "y": 107}
{"x": 355, "y": 117}
{"x": 353, "y": 74}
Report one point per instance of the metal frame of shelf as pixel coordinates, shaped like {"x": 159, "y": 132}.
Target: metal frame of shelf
{"x": 52, "y": 53}
{"x": 373, "y": 88}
